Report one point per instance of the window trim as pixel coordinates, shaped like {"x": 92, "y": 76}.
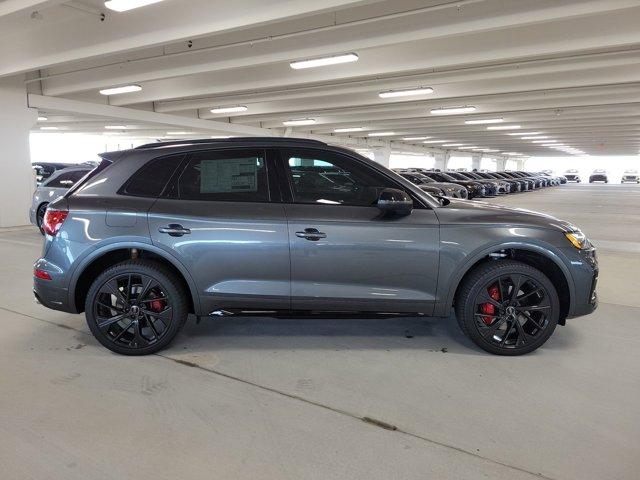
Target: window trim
{"x": 287, "y": 185}
{"x": 170, "y": 191}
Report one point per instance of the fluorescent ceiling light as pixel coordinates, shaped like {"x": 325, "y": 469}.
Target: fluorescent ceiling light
{"x": 553, "y": 145}
{"x": 123, "y": 89}
{"x": 299, "y": 121}
{"x": 180, "y": 132}
{"x": 453, "y": 110}
{"x": 220, "y": 137}
{"x": 115, "y": 127}
{"x": 321, "y": 62}
{"x": 453, "y": 144}
{"x": 42, "y": 119}
{"x": 525, "y": 133}
{"x": 542, "y": 141}
{"x": 504, "y": 127}
{"x": 48, "y": 128}
{"x": 534, "y": 137}
{"x": 232, "y": 109}
{"x": 472, "y": 147}
{"x": 435, "y": 141}
{"x": 408, "y": 92}
{"x": 381, "y": 134}
{"x": 124, "y": 5}
{"x": 511, "y": 153}
{"x": 348, "y": 129}
{"x": 483, "y": 121}
{"x": 415, "y": 138}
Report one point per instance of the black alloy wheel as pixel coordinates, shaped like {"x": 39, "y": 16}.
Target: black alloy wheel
{"x": 42, "y": 209}
{"x": 136, "y": 307}
{"x": 508, "y": 307}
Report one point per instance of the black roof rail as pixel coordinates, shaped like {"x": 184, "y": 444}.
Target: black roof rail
{"x": 218, "y": 141}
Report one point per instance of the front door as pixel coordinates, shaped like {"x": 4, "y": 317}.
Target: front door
{"x": 218, "y": 220}
{"x": 345, "y": 254}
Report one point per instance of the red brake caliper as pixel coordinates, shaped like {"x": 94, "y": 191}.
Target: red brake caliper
{"x": 488, "y": 308}
{"x": 157, "y": 305}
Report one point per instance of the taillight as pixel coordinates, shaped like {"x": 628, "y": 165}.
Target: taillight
{"x": 41, "y": 274}
{"x": 53, "y": 220}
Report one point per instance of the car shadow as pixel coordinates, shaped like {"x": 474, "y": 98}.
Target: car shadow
{"x": 415, "y": 333}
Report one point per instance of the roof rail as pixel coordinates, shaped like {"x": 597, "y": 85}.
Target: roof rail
{"x": 218, "y": 141}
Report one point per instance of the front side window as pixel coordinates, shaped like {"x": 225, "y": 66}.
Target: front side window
{"x": 66, "y": 179}
{"x": 321, "y": 177}
{"x": 225, "y": 176}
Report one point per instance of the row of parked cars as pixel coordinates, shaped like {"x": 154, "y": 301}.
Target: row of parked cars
{"x": 468, "y": 185}
{"x": 599, "y": 175}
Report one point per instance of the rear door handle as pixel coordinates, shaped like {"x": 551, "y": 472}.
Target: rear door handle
{"x": 174, "y": 230}
{"x": 312, "y": 234}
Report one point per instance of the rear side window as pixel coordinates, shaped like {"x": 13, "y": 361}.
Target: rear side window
{"x": 224, "y": 176}
{"x": 66, "y": 179}
{"x": 150, "y": 180}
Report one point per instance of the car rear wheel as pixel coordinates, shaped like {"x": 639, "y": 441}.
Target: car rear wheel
{"x": 40, "y": 217}
{"x": 507, "y": 307}
{"x": 136, "y": 307}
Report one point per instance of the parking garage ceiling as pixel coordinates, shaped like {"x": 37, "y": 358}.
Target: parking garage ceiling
{"x": 551, "y": 77}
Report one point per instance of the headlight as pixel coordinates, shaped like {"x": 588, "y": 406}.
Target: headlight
{"x": 578, "y": 239}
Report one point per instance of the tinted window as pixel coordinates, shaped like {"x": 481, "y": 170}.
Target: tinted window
{"x": 150, "y": 180}
{"x": 66, "y": 179}
{"x": 331, "y": 179}
{"x": 225, "y": 176}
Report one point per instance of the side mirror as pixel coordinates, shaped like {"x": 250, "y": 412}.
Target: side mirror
{"x": 395, "y": 201}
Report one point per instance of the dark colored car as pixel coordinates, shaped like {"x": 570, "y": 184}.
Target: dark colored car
{"x": 599, "y": 176}
{"x": 448, "y": 189}
{"x": 490, "y": 188}
{"x": 510, "y": 186}
{"x": 474, "y": 189}
{"x": 285, "y": 226}
{"x": 45, "y": 169}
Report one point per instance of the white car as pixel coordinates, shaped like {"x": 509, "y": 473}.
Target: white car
{"x": 53, "y": 187}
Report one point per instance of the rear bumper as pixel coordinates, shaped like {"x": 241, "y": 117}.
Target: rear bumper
{"x": 32, "y": 216}
{"x": 52, "y": 293}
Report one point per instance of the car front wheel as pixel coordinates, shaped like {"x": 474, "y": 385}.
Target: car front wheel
{"x": 507, "y": 307}
{"x": 136, "y": 307}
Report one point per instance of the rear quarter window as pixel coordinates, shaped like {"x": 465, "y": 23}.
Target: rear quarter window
{"x": 151, "y": 179}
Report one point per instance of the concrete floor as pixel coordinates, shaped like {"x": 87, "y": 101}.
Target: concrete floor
{"x": 284, "y": 399}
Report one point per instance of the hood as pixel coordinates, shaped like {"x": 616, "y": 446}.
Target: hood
{"x": 474, "y": 212}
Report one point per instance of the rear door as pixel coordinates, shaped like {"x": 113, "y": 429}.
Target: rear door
{"x": 345, "y": 254}
{"x": 222, "y": 219}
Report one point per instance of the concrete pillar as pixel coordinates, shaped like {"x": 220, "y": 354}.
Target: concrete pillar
{"x": 501, "y": 163}
{"x": 382, "y": 155}
{"x": 475, "y": 161}
{"x": 520, "y": 164}
{"x": 441, "y": 160}
{"x": 16, "y": 119}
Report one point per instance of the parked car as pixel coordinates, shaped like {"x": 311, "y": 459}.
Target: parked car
{"x": 630, "y": 176}
{"x": 45, "y": 169}
{"x": 449, "y": 189}
{"x": 572, "y": 175}
{"x": 474, "y": 189}
{"x": 490, "y": 187}
{"x": 508, "y": 185}
{"x": 225, "y": 227}
{"x": 55, "y": 186}
{"x": 599, "y": 176}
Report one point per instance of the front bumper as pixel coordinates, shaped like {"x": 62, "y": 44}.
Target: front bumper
{"x": 585, "y": 278}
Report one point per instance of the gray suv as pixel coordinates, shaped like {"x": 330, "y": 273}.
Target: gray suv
{"x": 284, "y": 226}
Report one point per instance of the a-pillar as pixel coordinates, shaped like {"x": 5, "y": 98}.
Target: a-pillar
{"x": 16, "y": 119}
{"x": 501, "y": 164}
{"x": 382, "y": 155}
{"x": 475, "y": 161}
{"x": 441, "y": 160}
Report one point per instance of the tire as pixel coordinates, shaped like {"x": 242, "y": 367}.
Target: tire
{"x": 505, "y": 330}
{"x": 40, "y": 216}
{"x": 141, "y": 305}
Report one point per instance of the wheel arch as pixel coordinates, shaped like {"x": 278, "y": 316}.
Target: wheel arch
{"x": 541, "y": 258}
{"x": 112, "y": 254}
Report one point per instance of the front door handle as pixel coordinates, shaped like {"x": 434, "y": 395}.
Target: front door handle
{"x": 312, "y": 234}
{"x": 174, "y": 230}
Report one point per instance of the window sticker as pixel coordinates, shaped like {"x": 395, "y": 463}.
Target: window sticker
{"x": 230, "y": 175}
